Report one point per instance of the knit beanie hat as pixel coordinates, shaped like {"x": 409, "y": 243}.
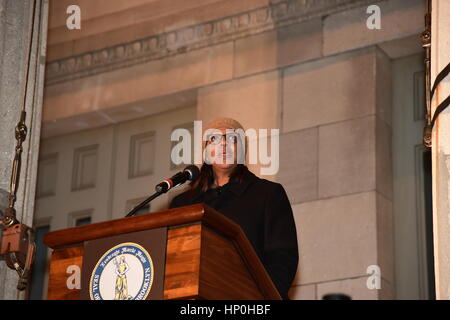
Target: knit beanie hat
{"x": 227, "y": 123}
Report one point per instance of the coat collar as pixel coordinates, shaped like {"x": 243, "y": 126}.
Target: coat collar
{"x": 236, "y": 187}
{"x": 239, "y": 188}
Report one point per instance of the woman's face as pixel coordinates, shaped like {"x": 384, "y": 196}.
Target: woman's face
{"x": 221, "y": 148}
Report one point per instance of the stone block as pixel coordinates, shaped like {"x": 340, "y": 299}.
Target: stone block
{"x": 383, "y": 90}
{"x": 348, "y": 30}
{"x": 299, "y": 164}
{"x": 329, "y": 90}
{"x": 385, "y": 238}
{"x": 253, "y": 101}
{"x": 355, "y": 288}
{"x": 403, "y": 47}
{"x": 347, "y": 162}
{"x": 281, "y": 47}
{"x": 337, "y": 237}
{"x": 305, "y": 292}
{"x": 387, "y": 291}
{"x": 383, "y": 147}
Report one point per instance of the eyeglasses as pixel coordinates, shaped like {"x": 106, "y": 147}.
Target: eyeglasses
{"x": 217, "y": 138}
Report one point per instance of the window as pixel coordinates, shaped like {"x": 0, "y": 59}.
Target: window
{"x": 82, "y": 221}
{"x": 40, "y": 265}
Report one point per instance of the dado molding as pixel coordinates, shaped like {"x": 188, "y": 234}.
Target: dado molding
{"x": 276, "y": 15}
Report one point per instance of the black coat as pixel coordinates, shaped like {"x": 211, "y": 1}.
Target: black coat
{"x": 263, "y": 211}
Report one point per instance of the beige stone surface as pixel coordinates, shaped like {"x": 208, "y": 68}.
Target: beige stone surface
{"x": 337, "y": 237}
{"x": 125, "y": 86}
{"x": 107, "y": 23}
{"x": 355, "y": 288}
{"x": 299, "y": 164}
{"x": 93, "y": 8}
{"x": 347, "y": 159}
{"x": 126, "y": 189}
{"x": 73, "y": 124}
{"x": 132, "y": 111}
{"x": 403, "y": 47}
{"x": 284, "y": 46}
{"x": 348, "y": 30}
{"x": 253, "y": 101}
{"x": 383, "y": 83}
{"x": 385, "y": 236}
{"x": 66, "y": 201}
{"x": 383, "y": 149}
{"x": 387, "y": 291}
{"x": 305, "y": 292}
{"x": 329, "y": 90}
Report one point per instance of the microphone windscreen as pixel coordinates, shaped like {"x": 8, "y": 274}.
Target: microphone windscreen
{"x": 194, "y": 172}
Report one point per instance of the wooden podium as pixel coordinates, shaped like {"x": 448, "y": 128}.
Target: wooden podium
{"x": 207, "y": 255}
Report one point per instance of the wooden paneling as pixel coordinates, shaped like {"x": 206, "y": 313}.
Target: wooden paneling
{"x": 181, "y": 269}
{"x": 220, "y": 223}
{"x": 182, "y": 262}
{"x": 125, "y": 225}
{"x": 208, "y": 255}
{"x": 61, "y": 260}
{"x": 224, "y": 273}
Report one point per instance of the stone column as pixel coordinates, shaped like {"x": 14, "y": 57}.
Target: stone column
{"x": 16, "y": 35}
{"x": 440, "y": 57}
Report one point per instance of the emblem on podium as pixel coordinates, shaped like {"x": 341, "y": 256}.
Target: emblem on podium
{"x": 124, "y": 272}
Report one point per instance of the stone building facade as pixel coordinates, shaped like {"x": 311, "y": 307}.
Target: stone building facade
{"x": 116, "y": 88}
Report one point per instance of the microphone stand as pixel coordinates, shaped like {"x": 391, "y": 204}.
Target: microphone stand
{"x": 166, "y": 185}
{"x": 144, "y": 203}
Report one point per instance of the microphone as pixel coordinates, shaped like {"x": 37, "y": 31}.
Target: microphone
{"x": 189, "y": 173}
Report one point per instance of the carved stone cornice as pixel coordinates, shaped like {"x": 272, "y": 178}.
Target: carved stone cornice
{"x": 276, "y": 15}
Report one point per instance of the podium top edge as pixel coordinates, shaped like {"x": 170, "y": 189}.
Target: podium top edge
{"x": 165, "y": 218}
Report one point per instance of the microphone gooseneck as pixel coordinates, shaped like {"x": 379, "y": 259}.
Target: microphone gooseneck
{"x": 189, "y": 173}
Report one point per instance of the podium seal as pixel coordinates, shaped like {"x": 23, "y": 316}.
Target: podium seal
{"x": 124, "y": 272}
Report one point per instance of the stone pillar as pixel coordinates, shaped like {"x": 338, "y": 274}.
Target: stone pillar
{"x": 440, "y": 57}
{"x": 16, "y": 34}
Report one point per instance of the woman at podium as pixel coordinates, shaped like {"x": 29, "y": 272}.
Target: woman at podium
{"x": 259, "y": 206}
